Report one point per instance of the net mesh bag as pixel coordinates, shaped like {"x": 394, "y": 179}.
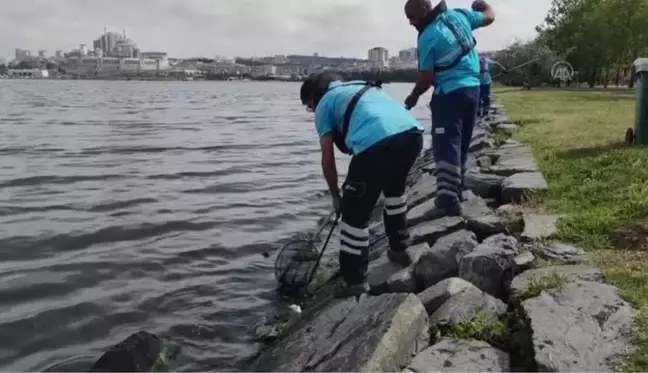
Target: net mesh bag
{"x": 295, "y": 264}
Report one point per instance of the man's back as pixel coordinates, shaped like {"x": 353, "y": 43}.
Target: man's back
{"x": 375, "y": 117}
{"x": 438, "y": 46}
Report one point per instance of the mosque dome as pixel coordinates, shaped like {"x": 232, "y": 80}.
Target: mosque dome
{"x": 125, "y": 48}
{"x": 125, "y": 43}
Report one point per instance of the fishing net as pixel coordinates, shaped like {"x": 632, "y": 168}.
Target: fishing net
{"x": 294, "y": 265}
{"x": 297, "y": 261}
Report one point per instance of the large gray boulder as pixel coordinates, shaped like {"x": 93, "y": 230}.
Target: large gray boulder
{"x": 459, "y": 355}
{"x": 498, "y": 119}
{"x": 484, "y": 185}
{"x": 424, "y": 212}
{"x": 481, "y": 219}
{"x": 434, "y": 296}
{"x": 553, "y": 277}
{"x": 490, "y": 264}
{"x": 581, "y": 327}
{"x": 442, "y": 259}
{"x": 466, "y": 305}
{"x": 140, "y": 352}
{"x": 375, "y": 334}
{"x": 387, "y": 277}
{"x": 540, "y": 227}
{"x": 559, "y": 251}
{"x": 422, "y": 191}
{"x": 514, "y": 187}
{"x": 431, "y": 231}
{"x": 514, "y": 159}
{"x": 480, "y": 141}
{"x": 512, "y": 216}
{"x": 507, "y": 128}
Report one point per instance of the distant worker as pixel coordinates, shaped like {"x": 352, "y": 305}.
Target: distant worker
{"x": 447, "y": 59}
{"x": 384, "y": 141}
{"x": 485, "y": 65}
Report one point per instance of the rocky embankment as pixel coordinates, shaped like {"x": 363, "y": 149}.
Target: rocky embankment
{"x": 489, "y": 291}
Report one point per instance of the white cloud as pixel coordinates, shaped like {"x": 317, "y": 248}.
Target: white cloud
{"x": 242, "y": 27}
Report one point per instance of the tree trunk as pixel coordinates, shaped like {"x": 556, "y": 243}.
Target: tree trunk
{"x": 606, "y": 78}
{"x": 592, "y": 78}
{"x": 633, "y": 73}
{"x": 617, "y": 79}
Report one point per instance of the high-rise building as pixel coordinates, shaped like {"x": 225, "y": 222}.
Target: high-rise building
{"x": 22, "y": 54}
{"x": 42, "y": 54}
{"x": 60, "y": 53}
{"x": 378, "y": 54}
{"x": 407, "y": 54}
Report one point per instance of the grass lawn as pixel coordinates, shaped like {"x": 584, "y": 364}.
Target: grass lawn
{"x": 601, "y": 184}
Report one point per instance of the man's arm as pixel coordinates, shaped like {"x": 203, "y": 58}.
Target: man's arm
{"x": 423, "y": 83}
{"x": 425, "y": 78}
{"x": 487, "y": 13}
{"x": 328, "y": 164}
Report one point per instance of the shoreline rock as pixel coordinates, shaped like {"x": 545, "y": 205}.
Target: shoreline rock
{"x": 374, "y": 334}
{"x": 487, "y": 291}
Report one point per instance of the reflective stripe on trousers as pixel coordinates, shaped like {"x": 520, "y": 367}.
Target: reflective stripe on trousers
{"x": 453, "y": 120}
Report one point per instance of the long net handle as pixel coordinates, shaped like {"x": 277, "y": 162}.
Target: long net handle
{"x": 319, "y": 258}
{"x": 324, "y": 224}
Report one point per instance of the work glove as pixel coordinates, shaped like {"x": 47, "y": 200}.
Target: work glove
{"x": 411, "y": 101}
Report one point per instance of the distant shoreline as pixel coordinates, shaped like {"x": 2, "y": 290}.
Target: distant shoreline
{"x": 121, "y": 79}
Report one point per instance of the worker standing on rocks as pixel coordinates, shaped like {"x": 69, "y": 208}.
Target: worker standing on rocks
{"x": 447, "y": 59}
{"x": 384, "y": 140}
{"x": 485, "y": 65}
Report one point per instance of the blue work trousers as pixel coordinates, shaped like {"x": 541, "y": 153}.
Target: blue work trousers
{"x": 484, "y": 99}
{"x": 453, "y": 120}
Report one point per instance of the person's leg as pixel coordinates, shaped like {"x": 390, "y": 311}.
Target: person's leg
{"x": 486, "y": 100}
{"x": 468, "y": 99}
{"x": 446, "y": 147}
{"x": 360, "y": 192}
{"x": 403, "y": 150}
{"x": 482, "y": 94}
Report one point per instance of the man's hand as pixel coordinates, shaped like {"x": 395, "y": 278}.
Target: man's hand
{"x": 411, "y": 101}
{"x": 485, "y": 9}
{"x": 337, "y": 204}
{"x": 479, "y": 5}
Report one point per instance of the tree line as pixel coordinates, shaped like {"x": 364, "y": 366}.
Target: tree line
{"x": 599, "y": 38}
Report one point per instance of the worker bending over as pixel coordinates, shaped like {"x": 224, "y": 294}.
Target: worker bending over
{"x": 384, "y": 140}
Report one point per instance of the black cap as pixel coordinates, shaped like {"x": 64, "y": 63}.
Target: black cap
{"x": 307, "y": 89}
{"x": 315, "y": 86}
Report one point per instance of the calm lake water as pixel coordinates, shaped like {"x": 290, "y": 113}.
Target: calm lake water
{"x": 128, "y": 206}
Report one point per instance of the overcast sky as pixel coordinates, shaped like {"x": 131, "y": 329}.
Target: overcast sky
{"x": 187, "y": 28}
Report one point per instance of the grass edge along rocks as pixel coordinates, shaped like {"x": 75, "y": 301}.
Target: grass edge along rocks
{"x": 489, "y": 291}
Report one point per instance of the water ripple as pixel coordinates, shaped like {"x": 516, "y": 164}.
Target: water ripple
{"x": 129, "y": 206}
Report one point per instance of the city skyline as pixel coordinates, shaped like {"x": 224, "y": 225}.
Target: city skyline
{"x": 218, "y": 27}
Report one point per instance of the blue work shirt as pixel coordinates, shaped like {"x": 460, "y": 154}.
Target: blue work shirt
{"x": 376, "y": 115}
{"x": 485, "y": 76}
{"x": 437, "y": 46}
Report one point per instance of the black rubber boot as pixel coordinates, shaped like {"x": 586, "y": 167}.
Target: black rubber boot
{"x": 399, "y": 257}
